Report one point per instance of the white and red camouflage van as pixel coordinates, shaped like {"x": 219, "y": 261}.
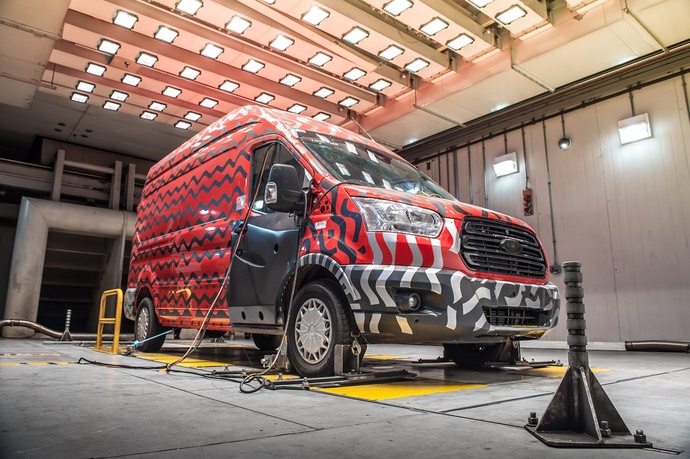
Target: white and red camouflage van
{"x": 382, "y": 253}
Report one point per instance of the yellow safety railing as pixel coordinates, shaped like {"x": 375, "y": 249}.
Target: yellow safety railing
{"x": 116, "y": 321}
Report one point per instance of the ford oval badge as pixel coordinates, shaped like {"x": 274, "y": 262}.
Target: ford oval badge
{"x": 512, "y": 246}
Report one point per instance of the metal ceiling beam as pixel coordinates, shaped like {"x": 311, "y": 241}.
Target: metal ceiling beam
{"x": 331, "y": 43}
{"x": 229, "y": 41}
{"x": 373, "y": 22}
{"x": 161, "y": 48}
{"x": 115, "y": 84}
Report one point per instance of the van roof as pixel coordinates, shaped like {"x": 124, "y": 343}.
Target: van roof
{"x": 272, "y": 121}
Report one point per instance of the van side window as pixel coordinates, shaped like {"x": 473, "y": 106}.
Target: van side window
{"x": 277, "y": 154}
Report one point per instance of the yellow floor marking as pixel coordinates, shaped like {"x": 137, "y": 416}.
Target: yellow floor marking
{"x": 189, "y": 362}
{"x": 552, "y": 371}
{"x": 17, "y": 364}
{"x": 398, "y": 389}
{"x": 384, "y": 357}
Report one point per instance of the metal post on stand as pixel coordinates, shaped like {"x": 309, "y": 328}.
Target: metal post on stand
{"x": 580, "y": 413}
{"x": 66, "y": 335}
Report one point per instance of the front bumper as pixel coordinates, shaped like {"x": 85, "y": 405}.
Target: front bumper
{"x": 455, "y": 308}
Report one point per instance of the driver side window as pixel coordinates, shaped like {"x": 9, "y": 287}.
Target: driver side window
{"x": 277, "y": 154}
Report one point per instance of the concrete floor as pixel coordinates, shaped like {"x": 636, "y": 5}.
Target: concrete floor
{"x": 52, "y": 407}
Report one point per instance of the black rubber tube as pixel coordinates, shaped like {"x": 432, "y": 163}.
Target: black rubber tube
{"x": 56, "y": 334}
{"x": 657, "y": 346}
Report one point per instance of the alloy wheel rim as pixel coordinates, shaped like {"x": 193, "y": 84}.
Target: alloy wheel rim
{"x": 143, "y": 324}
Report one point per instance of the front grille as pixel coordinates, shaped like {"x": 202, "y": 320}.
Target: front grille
{"x": 512, "y": 317}
{"x": 482, "y": 250}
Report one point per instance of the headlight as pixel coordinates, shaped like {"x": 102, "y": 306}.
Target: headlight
{"x": 392, "y": 216}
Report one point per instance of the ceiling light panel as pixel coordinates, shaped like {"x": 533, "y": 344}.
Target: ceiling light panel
{"x": 281, "y": 42}
{"x": 171, "y": 92}
{"x": 146, "y": 59}
{"x": 150, "y": 116}
{"x": 81, "y": 98}
{"x": 212, "y": 51}
{"x": 290, "y": 80}
{"x": 355, "y": 35}
{"x": 354, "y": 74}
{"x": 416, "y": 65}
{"x": 131, "y": 80}
{"x": 321, "y": 116}
{"x": 192, "y": 116}
{"x": 348, "y": 102}
{"x": 95, "y": 69}
{"x": 238, "y": 24}
{"x": 434, "y": 26}
{"x": 119, "y": 95}
{"x": 264, "y": 98}
{"x": 324, "y": 92}
{"x": 391, "y": 52}
{"x": 108, "y": 46}
{"x": 380, "y": 85}
{"x": 125, "y": 19}
{"x": 166, "y": 34}
{"x": 315, "y": 15}
{"x": 396, "y": 7}
{"x": 253, "y": 66}
{"x": 207, "y": 102}
{"x": 112, "y": 106}
{"x": 85, "y": 86}
{"x": 189, "y": 6}
{"x": 157, "y": 106}
{"x": 320, "y": 59}
{"x": 511, "y": 15}
{"x": 297, "y": 108}
{"x": 190, "y": 73}
{"x": 228, "y": 86}
{"x": 183, "y": 124}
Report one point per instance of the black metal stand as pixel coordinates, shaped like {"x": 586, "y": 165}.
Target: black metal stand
{"x": 66, "y": 335}
{"x": 580, "y": 413}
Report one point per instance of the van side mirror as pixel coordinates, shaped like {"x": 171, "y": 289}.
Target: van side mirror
{"x": 283, "y": 190}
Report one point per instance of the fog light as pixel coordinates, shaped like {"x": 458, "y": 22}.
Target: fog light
{"x": 408, "y": 302}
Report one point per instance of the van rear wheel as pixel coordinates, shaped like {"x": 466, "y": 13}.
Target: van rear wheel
{"x": 318, "y": 321}
{"x": 147, "y": 326}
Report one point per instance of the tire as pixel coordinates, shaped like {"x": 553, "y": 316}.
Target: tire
{"x": 266, "y": 342}
{"x": 319, "y": 320}
{"x": 146, "y": 326}
{"x": 472, "y": 355}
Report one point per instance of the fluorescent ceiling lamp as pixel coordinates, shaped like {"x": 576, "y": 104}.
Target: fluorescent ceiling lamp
{"x": 189, "y": 6}
{"x": 208, "y": 102}
{"x": 380, "y": 85}
{"x": 119, "y": 95}
{"x": 290, "y": 80}
{"x": 297, "y": 108}
{"x": 505, "y": 164}
{"x": 146, "y": 59}
{"x": 190, "y": 73}
{"x": 391, "y": 52}
{"x": 355, "y": 74}
{"x": 81, "y": 98}
{"x": 480, "y": 3}
{"x": 281, "y": 42}
{"x": 270, "y": 2}
{"x": 95, "y": 69}
{"x": 320, "y": 59}
{"x": 512, "y": 14}
{"x": 634, "y": 128}
{"x": 131, "y": 80}
{"x": 434, "y": 26}
{"x": 460, "y": 42}
{"x": 228, "y": 86}
{"x": 108, "y": 47}
{"x": 324, "y": 92}
{"x": 166, "y": 34}
{"x": 396, "y": 7}
{"x": 238, "y": 24}
{"x": 212, "y": 51}
{"x": 113, "y": 106}
{"x": 183, "y": 125}
{"x": 264, "y": 98}
{"x": 171, "y": 92}
{"x": 315, "y": 15}
{"x": 321, "y": 116}
{"x": 416, "y": 65}
{"x": 355, "y": 35}
{"x": 157, "y": 106}
{"x": 253, "y": 66}
{"x": 348, "y": 102}
{"x": 125, "y": 19}
{"x": 193, "y": 116}
{"x": 148, "y": 115}
{"x": 85, "y": 86}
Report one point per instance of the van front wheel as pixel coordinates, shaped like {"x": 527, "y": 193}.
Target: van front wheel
{"x": 318, "y": 321}
{"x": 147, "y": 326}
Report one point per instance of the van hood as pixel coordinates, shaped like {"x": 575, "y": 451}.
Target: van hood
{"x": 445, "y": 207}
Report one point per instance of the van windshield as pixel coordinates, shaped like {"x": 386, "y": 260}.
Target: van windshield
{"x": 355, "y": 163}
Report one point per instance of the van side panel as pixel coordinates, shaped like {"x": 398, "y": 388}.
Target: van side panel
{"x": 184, "y": 231}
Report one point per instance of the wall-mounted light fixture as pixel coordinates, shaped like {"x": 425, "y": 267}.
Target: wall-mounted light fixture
{"x": 634, "y": 128}
{"x": 564, "y": 143}
{"x": 505, "y": 164}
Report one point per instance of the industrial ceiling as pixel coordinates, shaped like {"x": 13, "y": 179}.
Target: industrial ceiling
{"x": 140, "y": 76}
